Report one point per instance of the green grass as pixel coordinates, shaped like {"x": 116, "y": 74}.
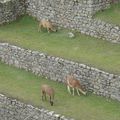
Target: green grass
{"x": 25, "y": 86}
{"x": 111, "y": 15}
{"x": 83, "y": 49}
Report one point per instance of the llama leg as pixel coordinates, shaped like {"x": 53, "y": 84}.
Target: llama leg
{"x": 48, "y": 29}
{"x": 39, "y": 28}
{"x": 73, "y": 91}
{"x": 50, "y": 99}
{"x": 45, "y": 96}
{"x": 51, "y": 102}
{"x": 68, "y": 89}
{"x": 78, "y": 92}
{"x": 42, "y": 95}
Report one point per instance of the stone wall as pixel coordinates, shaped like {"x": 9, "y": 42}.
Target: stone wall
{"x": 62, "y": 8}
{"x": 11, "y": 9}
{"x": 100, "y": 5}
{"x": 66, "y": 14}
{"x": 100, "y": 29}
{"x": 12, "y": 109}
{"x": 54, "y": 68}
{"x": 72, "y": 14}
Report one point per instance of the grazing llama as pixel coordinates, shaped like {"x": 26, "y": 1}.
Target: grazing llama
{"x": 74, "y": 84}
{"x": 46, "y": 24}
{"x": 49, "y": 91}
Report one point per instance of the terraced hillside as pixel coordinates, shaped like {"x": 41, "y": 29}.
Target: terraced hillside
{"x": 84, "y": 49}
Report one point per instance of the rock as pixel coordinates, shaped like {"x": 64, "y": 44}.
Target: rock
{"x": 71, "y": 35}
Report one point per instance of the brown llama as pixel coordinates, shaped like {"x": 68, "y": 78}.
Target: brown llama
{"x": 74, "y": 84}
{"x": 46, "y": 24}
{"x": 49, "y": 91}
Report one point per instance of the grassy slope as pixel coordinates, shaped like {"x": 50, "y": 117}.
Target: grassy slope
{"x": 26, "y": 86}
{"x": 111, "y": 15}
{"x": 85, "y": 49}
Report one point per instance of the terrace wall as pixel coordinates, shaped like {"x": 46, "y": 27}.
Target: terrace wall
{"x": 64, "y": 13}
{"x": 54, "y": 68}
{"x": 10, "y": 10}
{"x": 76, "y": 16}
{"x": 12, "y": 109}
{"x": 62, "y": 8}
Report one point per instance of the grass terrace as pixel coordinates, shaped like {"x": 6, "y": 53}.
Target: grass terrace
{"x": 84, "y": 49}
{"x": 25, "y": 86}
{"x": 111, "y": 15}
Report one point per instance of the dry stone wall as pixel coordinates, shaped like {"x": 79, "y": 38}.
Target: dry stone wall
{"x": 72, "y": 14}
{"x": 101, "y": 29}
{"x": 76, "y": 8}
{"x": 76, "y": 16}
{"x": 11, "y": 9}
{"x": 100, "y": 5}
{"x": 12, "y": 109}
{"x": 54, "y": 68}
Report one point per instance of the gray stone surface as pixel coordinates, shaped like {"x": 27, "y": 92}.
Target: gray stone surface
{"x": 10, "y": 10}
{"x": 54, "y": 68}
{"x": 12, "y": 109}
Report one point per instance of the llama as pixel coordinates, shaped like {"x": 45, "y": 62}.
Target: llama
{"x": 74, "y": 84}
{"x": 46, "y": 24}
{"x": 49, "y": 91}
